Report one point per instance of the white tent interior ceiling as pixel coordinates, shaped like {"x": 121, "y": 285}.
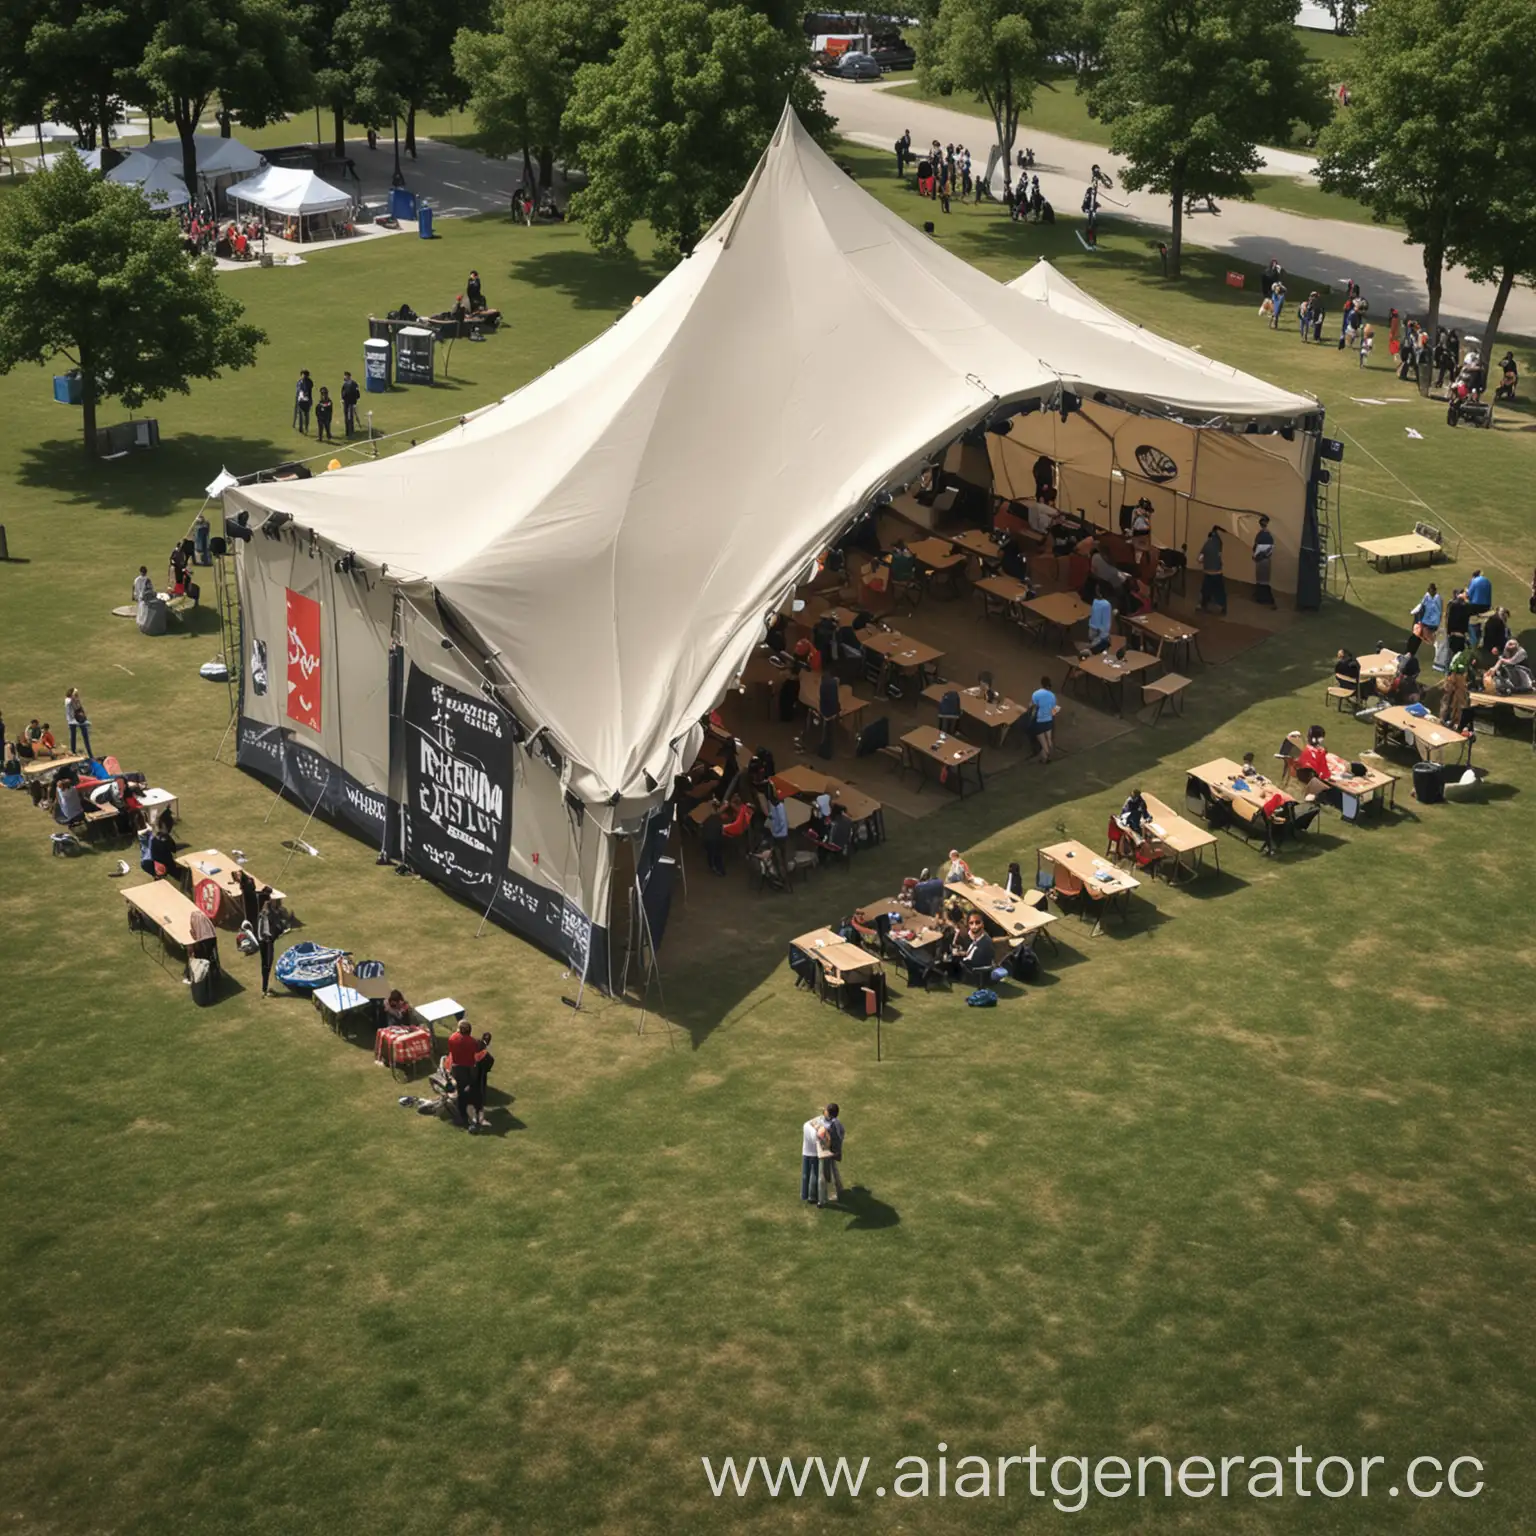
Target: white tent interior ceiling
{"x": 600, "y": 548}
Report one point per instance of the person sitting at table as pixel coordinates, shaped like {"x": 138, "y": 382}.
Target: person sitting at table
{"x": 1346, "y": 666}
{"x": 25, "y": 745}
{"x": 1015, "y": 563}
{"x": 396, "y": 1009}
{"x": 1402, "y": 687}
{"x": 46, "y": 745}
{"x": 1013, "y": 881}
{"x": 1313, "y": 757}
{"x": 958, "y": 871}
{"x": 838, "y": 837}
{"x": 162, "y": 852}
{"x": 1509, "y": 674}
{"x": 1042, "y": 512}
{"x": 949, "y": 711}
{"x": 976, "y": 960}
{"x": 1101, "y": 620}
{"x": 1134, "y": 814}
{"x": 927, "y": 895}
{"x": 1141, "y": 519}
{"x": 738, "y": 818}
{"x": 905, "y": 566}
{"x": 68, "y": 809}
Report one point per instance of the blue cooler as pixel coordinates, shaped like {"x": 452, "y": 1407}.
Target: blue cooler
{"x": 424, "y": 221}
{"x": 402, "y": 204}
{"x": 376, "y": 366}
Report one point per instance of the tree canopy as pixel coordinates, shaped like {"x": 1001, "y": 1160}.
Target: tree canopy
{"x": 996, "y": 48}
{"x": 521, "y": 72}
{"x": 669, "y": 126}
{"x": 1190, "y": 88}
{"x": 90, "y": 272}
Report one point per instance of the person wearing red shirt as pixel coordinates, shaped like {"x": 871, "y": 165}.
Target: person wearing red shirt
{"x": 464, "y": 1051}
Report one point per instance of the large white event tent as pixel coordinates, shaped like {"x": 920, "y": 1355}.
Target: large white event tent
{"x": 158, "y": 180}
{"x": 490, "y": 654}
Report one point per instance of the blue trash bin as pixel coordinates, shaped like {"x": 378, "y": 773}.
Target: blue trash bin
{"x": 376, "y": 366}
{"x": 402, "y": 204}
{"x": 424, "y": 221}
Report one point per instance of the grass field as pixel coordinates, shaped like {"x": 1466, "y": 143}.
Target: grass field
{"x": 1253, "y": 1172}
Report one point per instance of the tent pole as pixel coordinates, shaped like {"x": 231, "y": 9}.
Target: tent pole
{"x": 305, "y": 828}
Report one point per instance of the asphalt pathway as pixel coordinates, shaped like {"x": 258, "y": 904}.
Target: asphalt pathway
{"x": 1388, "y": 269}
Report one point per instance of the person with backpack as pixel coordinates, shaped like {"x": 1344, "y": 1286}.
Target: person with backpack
{"x": 303, "y": 399}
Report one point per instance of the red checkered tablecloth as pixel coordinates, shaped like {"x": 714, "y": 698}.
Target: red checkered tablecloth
{"x": 400, "y": 1043}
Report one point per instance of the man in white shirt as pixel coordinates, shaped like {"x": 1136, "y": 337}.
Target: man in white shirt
{"x": 143, "y": 591}
{"x": 811, "y": 1134}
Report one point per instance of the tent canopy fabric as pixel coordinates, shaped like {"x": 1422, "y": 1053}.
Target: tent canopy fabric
{"x": 1148, "y": 367}
{"x": 612, "y": 536}
{"x": 158, "y": 180}
{"x": 280, "y": 190}
{"x": 216, "y": 156}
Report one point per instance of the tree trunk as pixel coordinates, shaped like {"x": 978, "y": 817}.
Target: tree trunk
{"x": 225, "y": 120}
{"x": 1434, "y": 271}
{"x": 1495, "y": 319}
{"x": 546, "y": 168}
{"x": 88, "y": 400}
{"x": 1176, "y": 239}
{"x": 399, "y": 174}
{"x": 410, "y": 130}
{"x": 104, "y": 120}
{"x": 339, "y": 128}
{"x": 527, "y": 178}
{"x": 186, "y": 130}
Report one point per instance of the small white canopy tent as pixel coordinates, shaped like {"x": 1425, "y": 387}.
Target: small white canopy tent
{"x": 158, "y": 180}
{"x": 292, "y": 195}
{"x": 585, "y": 567}
{"x": 289, "y": 192}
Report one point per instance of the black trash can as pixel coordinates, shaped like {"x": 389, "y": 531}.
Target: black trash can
{"x": 1428, "y": 783}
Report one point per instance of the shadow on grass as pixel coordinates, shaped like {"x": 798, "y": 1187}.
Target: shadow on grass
{"x": 868, "y": 1213}
{"x": 589, "y": 279}
{"x": 1211, "y": 884}
{"x": 158, "y": 483}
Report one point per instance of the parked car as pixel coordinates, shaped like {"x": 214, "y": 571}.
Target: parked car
{"x": 893, "y": 53}
{"x": 854, "y": 66}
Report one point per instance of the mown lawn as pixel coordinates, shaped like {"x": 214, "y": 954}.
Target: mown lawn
{"x": 1253, "y": 1172}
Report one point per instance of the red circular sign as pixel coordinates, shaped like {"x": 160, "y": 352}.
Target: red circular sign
{"x": 209, "y": 897}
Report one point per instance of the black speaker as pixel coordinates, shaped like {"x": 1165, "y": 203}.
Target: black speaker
{"x": 216, "y": 546}
{"x": 656, "y": 897}
{"x": 188, "y": 548}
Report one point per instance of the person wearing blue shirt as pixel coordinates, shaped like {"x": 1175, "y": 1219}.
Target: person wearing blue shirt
{"x": 1045, "y": 711}
{"x": 1426, "y": 619}
{"x": 1100, "y": 620}
{"x": 778, "y": 830}
{"x": 1480, "y": 598}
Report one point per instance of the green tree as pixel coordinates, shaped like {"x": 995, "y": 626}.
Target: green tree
{"x": 996, "y": 48}
{"x": 1401, "y": 148}
{"x": 83, "y": 53}
{"x": 669, "y": 127}
{"x": 379, "y": 38}
{"x": 1495, "y": 236}
{"x": 522, "y": 70}
{"x": 1191, "y": 87}
{"x": 90, "y": 272}
{"x": 248, "y": 52}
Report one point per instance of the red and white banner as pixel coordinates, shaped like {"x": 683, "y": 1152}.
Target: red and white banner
{"x": 303, "y": 660}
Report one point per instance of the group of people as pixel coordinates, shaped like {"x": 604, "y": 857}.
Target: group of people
{"x": 234, "y": 240}
{"x": 942, "y": 173}
{"x": 1473, "y": 646}
{"x": 821, "y": 1156}
{"x": 1355, "y": 333}
{"x": 324, "y": 408}
{"x": 36, "y": 739}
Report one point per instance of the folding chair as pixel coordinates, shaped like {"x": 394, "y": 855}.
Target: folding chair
{"x": 1114, "y": 845}
{"x": 920, "y": 972}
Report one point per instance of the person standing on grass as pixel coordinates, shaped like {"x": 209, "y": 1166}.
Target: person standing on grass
{"x": 303, "y": 399}
{"x": 1426, "y": 619}
{"x": 811, "y": 1134}
{"x": 778, "y": 831}
{"x": 350, "y": 395}
{"x": 1043, "y": 726}
{"x": 1277, "y": 303}
{"x": 270, "y": 922}
{"x": 324, "y": 410}
{"x": 1263, "y": 557}
{"x": 74, "y": 718}
{"x": 1213, "y": 583}
{"x": 464, "y": 1051}
{"x": 829, "y": 1185}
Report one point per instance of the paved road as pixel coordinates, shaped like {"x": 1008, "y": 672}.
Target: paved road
{"x": 1388, "y": 270}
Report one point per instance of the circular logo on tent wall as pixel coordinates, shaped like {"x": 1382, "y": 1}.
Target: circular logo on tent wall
{"x": 1155, "y": 464}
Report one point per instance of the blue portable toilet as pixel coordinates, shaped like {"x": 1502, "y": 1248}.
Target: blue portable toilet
{"x": 67, "y": 389}
{"x": 424, "y": 221}
{"x": 376, "y": 366}
{"x": 402, "y": 204}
